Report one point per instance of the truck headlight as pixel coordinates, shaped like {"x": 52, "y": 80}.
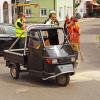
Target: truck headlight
{"x": 54, "y": 61}
{"x": 73, "y": 59}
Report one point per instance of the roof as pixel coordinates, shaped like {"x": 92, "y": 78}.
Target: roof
{"x": 42, "y": 27}
{"x": 5, "y": 24}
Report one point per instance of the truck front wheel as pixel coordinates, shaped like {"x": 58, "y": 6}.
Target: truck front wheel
{"x": 14, "y": 71}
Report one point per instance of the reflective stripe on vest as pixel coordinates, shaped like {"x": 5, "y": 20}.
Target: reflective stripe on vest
{"x": 19, "y": 31}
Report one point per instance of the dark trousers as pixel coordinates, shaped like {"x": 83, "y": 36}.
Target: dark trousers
{"x": 21, "y": 42}
{"x": 76, "y": 54}
{"x": 53, "y": 39}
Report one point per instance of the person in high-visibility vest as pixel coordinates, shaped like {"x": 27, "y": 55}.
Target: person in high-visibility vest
{"x": 20, "y": 29}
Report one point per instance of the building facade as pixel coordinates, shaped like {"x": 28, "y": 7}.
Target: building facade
{"x": 64, "y": 8}
{"x": 40, "y": 13}
{"x": 88, "y": 8}
{"x": 36, "y": 11}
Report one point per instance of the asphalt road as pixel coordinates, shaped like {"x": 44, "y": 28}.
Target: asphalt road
{"x": 85, "y": 85}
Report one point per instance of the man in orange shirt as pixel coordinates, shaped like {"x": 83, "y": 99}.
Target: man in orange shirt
{"x": 74, "y": 35}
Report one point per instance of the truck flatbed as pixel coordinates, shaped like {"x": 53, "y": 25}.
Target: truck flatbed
{"x": 16, "y": 56}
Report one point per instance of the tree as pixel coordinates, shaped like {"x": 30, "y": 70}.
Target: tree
{"x": 98, "y": 1}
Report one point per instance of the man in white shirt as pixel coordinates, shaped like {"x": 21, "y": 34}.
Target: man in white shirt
{"x": 52, "y": 19}
{"x": 52, "y": 34}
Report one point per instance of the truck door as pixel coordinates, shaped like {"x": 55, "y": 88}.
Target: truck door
{"x": 35, "y": 56}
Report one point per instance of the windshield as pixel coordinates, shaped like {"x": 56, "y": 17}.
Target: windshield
{"x": 53, "y": 37}
{"x": 49, "y": 37}
{"x": 34, "y": 40}
{"x": 56, "y": 51}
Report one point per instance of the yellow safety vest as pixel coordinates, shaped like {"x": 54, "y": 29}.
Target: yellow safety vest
{"x": 19, "y": 31}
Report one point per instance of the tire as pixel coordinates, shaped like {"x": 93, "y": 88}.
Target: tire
{"x": 14, "y": 71}
{"x": 63, "y": 80}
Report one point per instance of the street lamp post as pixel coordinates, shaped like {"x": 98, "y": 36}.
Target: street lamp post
{"x": 54, "y": 4}
{"x": 73, "y": 7}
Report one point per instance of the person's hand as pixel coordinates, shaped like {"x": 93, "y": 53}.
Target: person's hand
{"x": 45, "y": 38}
{"x": 23, "y": 28}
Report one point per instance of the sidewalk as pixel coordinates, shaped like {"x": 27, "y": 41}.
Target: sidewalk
{"x": 85, "y": 19}
{"x": 80, "y": 21}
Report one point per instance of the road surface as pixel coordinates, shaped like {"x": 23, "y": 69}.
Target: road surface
{"x": 84, "y": 85}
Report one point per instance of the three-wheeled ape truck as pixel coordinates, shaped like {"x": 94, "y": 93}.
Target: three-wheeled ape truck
{"x": 42, "y": 58}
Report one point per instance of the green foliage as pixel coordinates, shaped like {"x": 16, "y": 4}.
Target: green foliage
{"x": 76, "y": 5}
{"x": 98, "y": 1}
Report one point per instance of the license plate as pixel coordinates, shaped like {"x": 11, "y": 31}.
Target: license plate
{"x": 66, "y": 68}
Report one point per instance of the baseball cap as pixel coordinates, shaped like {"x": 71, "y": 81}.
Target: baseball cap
{"x": 52, "y": 11}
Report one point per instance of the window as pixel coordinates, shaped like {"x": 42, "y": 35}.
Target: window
{"x": 34, "y": 40}
{"x": 53, "y": 39}
{"x": 43, "y": 12}
{"x": 60, "y": 12}
{"x": 5, "y": 12}
{"x": 28, "y": 12}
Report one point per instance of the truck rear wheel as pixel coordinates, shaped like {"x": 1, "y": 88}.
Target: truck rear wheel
{"x": 63, "y": 80}
{"x": 14, "y": 71}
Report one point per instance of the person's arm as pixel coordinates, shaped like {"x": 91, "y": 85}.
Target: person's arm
{"x": 19, "y": 24}
{"x": 48, "y": 22}
{"x": 70, "y": 24}
{"x": 57, "y": 22}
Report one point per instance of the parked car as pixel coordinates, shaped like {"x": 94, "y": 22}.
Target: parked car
{"x": 7, "y": 36}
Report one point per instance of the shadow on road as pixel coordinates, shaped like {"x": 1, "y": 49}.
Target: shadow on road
{"x": 27, "y": 80}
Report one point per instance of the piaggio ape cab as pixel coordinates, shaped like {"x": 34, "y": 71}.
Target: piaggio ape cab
{"x": 42, "y": 59}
